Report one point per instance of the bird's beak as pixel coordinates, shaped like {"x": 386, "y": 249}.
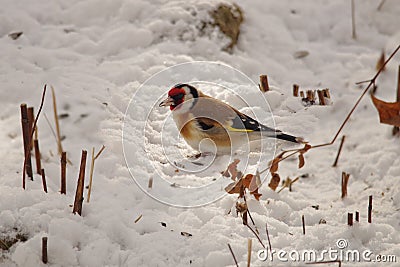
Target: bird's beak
{"x": 167, "y": 102}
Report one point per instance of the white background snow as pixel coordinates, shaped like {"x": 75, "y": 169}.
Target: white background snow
{"x": 97, "y": 53}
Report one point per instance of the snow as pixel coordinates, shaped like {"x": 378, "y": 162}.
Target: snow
{"x": 112, "y": 62}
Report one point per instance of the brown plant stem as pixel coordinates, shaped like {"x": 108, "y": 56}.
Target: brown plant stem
{"x": 25, "y": 136}
{"x": 44, "y": 180}
{"x": 31, "y": 119}
{"x": 370, "y": 209}
{"x": 31, "y": 136}
{"x": 64, "y": 173}
{"x": 350, "y": 219}
{"x": 340, "y": 150}
{"x": 44, "y": 250}
{"x": 80, "y": 186}
{"x": 396, "y": 129}
{"x": 59, "y": 145}
{"x": 269, "y": 241}
{"x": 345, "y": 181}
{"x": 371, "y": 83}
{"x": 37, "y": 156}
{"x": 249, "y": 243}
{"x": 264, "y": 86}
{"x": 296, "y": 90}
{"x": 92, "y": 169}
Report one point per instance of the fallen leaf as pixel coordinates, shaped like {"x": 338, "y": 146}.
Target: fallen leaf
{"x": 389, "y": 113}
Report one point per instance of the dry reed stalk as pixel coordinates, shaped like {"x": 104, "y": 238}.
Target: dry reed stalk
{"x": 80, "y": 186}
{"x": 92, "y": 169}
{"x": 37, "y": 156}
{"x": 264, "y": 86}
{"x": 64, "y": 173}
{"x": 44, "y": 180}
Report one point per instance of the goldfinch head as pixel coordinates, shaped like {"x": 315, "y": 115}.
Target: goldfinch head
{"x": 181, "y": 98}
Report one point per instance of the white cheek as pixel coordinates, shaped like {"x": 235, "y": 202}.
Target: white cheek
{"x": 182, "y": 108}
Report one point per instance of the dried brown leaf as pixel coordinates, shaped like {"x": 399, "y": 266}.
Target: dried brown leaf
{"x": 231, "y": 171}
{"x": 241, "y": 207}
{"x": 247, "y": 180}
{"x": 273, "y": 184}
{"x": 389, "y": 113}
{"x": 234, "y": 188}
{"x": 275, "y": 163}
{"x": 301, "y": 160}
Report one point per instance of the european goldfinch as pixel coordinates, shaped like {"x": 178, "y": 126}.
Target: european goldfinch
{"x": 200, "y": 117}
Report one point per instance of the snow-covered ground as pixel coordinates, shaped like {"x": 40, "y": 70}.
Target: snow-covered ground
{"x": 100, "y": 57}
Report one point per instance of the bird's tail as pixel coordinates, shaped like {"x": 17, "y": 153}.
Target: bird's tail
{"x": 290, "y": 138}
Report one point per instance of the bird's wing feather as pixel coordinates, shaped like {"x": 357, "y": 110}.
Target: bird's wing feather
{"x": 210, "y": 111}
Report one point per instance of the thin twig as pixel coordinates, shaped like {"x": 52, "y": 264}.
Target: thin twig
{"x": 340, "y": 150}
{"x": 258, "y": 237}
{"x": 30, "y": 139}
{"x": 92, "y": 169}
{"x": 50, "y": 126}
{"x": 233, "y": 255}
{"x": 371, "y": 83}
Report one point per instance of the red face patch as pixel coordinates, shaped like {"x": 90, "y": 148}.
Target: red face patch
{"x": 176, "y": 91}
{"x": 178, "y": 95}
